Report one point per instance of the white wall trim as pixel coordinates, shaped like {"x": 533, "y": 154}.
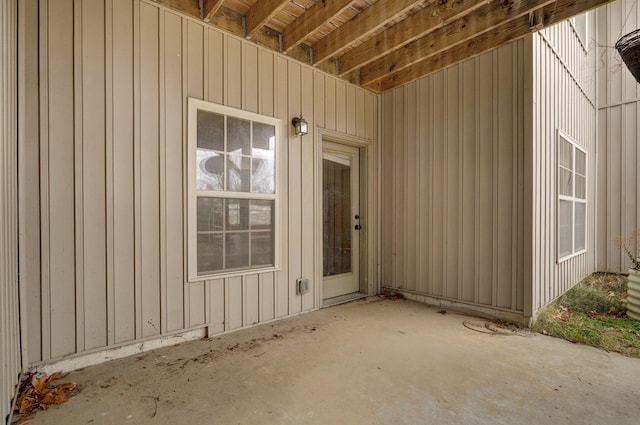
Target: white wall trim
{"x": 83, "y": 360}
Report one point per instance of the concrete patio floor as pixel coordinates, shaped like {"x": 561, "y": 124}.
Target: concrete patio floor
{"x": 373, "y": 361}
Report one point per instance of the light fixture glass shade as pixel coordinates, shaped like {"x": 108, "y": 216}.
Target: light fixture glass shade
{"x": 300, "y": 126}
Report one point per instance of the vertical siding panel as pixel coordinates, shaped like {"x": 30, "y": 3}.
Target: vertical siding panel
{"x": 387, "y": 228}
{"x": 452, "y": 188}
{"x": 173, "y": 279}
{"x": 78, "y": 174}
{"x": 399, "y": 190}
{"x": 250, "y": 92}
{"x": 137, "y": 177}
{"x": 233, "y": 72}
{"x": 438, "y": 196}
{"x": 410, "y": 171}
{"x": 216, "y": 65}
{"x": 629, "y": 163}
{"x": 469, "y": 186}
{"x": 350, "y": 107}
{"x": 505, "y": 171}
{"x": 94, "y": 177}
{"x": 193, "y": 68}
{"x": 371, "y": 118}
{"x": 319, "y": 99}
{"x": 108, "y": 44}
{"x": 123, "y": 205}
{"x": 615, "y": 181}
{"x": 266, "y": 84}
{"x": 330, "y": 104}
{"x": 295, "y": 190}
{"x": 485, "y": 206}
{"x": 234, "y": 303}
{"x": 10, "y": 365}
{"x": 251, "y": 301}
{"x": 60, "y": 182}
{"x": 31, "y": 155}
{"x": 308, "y": 197}
{"x": 341, "y": 106}
{"x": 282, "y": 112}
{"x": 360, "y": 114}
{"x": 425, "y": 203}
{"x": 149, "y": 170}
{"x": 267, "y": 297}
{"x": 216, "y": 306}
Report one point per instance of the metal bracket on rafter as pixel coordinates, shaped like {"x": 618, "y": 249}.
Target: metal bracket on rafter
{"x": 311, "y": 56}
{"x": 536, "y": 20}
{"x": 281, "y": 43}
{"x": 244, "y": 26}
{"x": 201, "y": 7}
{"x": 336, "y": 61}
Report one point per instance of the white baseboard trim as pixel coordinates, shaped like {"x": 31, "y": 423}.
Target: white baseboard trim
{"x": 83, "y": 360}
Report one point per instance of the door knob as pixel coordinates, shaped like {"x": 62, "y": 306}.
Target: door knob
{"x": 357, "y": 217}
{"x": 358, "y": 227}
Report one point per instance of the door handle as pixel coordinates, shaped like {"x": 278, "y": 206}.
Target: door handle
{"x": 358, "y": 227}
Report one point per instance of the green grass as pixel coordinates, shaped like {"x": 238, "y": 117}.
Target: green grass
{"x": 593, "y": 313}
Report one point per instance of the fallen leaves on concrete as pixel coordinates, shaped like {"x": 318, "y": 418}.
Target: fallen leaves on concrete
{"x": 37, "y": 392}
{"x": 391, "y": 295}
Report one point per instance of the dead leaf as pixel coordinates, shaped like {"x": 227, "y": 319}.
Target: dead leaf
{"x": 37, "y": 392}
{"x": 25, "y": 421}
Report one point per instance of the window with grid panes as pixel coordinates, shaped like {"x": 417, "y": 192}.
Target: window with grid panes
{"x": 572, "y": 198}
{"x": 233, "y": 190}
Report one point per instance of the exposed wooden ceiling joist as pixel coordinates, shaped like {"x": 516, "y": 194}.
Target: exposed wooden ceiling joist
{"x": 312, "y": 19}
{"x": 369, "y": 21}
{"x": 210, "y": 7}
{"x": 501, "y": 34}
{"x": 486, "y": 19}
{"x": 261, "y": 12}
{"x": 433, "y": 16}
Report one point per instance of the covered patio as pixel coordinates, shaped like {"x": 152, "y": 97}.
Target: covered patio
{"x": 373, "y": 361}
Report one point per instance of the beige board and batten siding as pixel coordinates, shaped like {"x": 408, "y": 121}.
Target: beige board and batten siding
{"x": 10, "y": 356}
{"x": 618, "y": 134}
{"x": 452, "y": 179}
{"x": 114, "y": 82}
{"x": 562, "y": 91}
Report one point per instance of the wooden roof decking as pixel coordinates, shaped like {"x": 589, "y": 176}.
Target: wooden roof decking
{"x": 382, "y": 44}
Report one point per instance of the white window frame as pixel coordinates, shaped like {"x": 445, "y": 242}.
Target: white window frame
{"x": 192, "y": 193}
{"x": 573, "y": 199}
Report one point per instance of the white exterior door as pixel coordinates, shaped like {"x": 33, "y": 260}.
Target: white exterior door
{"x": 340, "y": 220}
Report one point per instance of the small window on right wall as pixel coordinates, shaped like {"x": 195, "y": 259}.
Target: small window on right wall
{"x": 572, "y": 198}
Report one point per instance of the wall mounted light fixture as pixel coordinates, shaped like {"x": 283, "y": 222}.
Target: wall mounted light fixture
{"x": 300, "y": 126}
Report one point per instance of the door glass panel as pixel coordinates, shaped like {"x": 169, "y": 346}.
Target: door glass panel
{"x": 336, "y": 205}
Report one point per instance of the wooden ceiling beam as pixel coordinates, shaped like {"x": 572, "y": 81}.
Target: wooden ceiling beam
{"x": 504, "y": 33}
{"x": 433, "y": 16}
{"x": 261, "y": 12}
{"x": 483, "y": 20}
{"x": 209, "y": 8}
{"x": 313, "y": 18}
{"x": 371, "y": 19}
